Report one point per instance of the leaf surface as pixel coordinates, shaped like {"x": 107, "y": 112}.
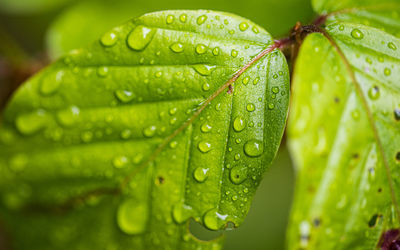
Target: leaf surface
{"x": 129, "y": 138}
{"x": 346, "y": 108}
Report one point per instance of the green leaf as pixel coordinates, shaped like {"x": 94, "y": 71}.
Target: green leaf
{"x": 346, "y": 109}
{"x": 84, "y": 22}
{"x": 31, "y": 6}
{"x": 129, "y": 138}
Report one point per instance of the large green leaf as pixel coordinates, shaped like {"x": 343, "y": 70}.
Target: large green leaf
{"x": 346, "y": 109}
{"x": 86, "y": 21}
{"x": 104, "y": 149}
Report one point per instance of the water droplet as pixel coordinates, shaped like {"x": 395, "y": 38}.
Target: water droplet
{"x": 215, "y": 51}
{"x": 181, "y": 212}
{"x": 357, "y": 34}
{"x": 234, "y": 53}
{"x": 275, "y": 90}
{"x": 239, "y": 124}
{"x": 170, "y": 19}
{"x": 124, "y": 96}
{"x": 102, "y": 71}
{"x": 387, "y": 72}
{"x": 204, "y": 147}
{"x": 173, "y": 144}
{"x": 150, "y": 131}
{"x": 200, "y": 174}
{"x": 250, "y": 107}
{"x": 255, "y": 29}
{"x": 392, "y": 46}
{"x": 173, "y": 110}
{"x": 213, "y": 220}
{"x": 49, "y": 85}
{"x": 177, "y": 47}
{"x": 87, "y": 136}
{"x": 253, "y": 148}
{"x": 30, "y": 123}
{"x": 204, "y": 69}
{"x": 243, "y": 26}
{"x": 183, "y": 18}
{"x": 120, "y": 161}
{"x": 126, "y": 134}
{"x": 271, "y": 106}
{"x": 201, "y": 49}
{"x": 397, "y": 114}
{"x": 238, "y": 174}
{"x": 246, "y": 80}
{"x": 69, "y": 116}
{"x": 255, "y": 81}
{"x": 205, "y": 128}
{"x": 140, "y": 37}
{"x": 201, "y": 19}
{"x": 206, "y": 87}
{"x": 132, "y": 216}
{"x": 109, "y": 39}
{"x": 374, "y": 93}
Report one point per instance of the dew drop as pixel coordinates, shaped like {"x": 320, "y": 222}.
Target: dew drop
{"x": 239, "y": 124}
{"x": 183, "y": 18}
{"x": 69, "y": 116}
{"x": 120, "y": 161}
{"x": 250, "y": 107}
{"x": 243, "y": 26}
{"x": 176, "y": 47}
{"x": 392, "y": 46}
{"x": 200, "y": 174}
{"x": 30, "y": 123}
{"x": 126, "y": 134}
{"x": 253, "y": 148}
{"x": 87, "y": 136}
{"x": 255, "y": 81}
{"x": 201, "y": 49}
{"x": 170, "y": 19}
{"x": 234, "y": 53}
{"x": 271, "y": 106}
{"x": 109, "y": 39}
{"x": 124, "y": 96}
{"x": 173, "y": 144}
{"x": 275, "y": 90}
{"x": 213, "y": 220}
{"x": 201, "y": 19}
{"x": 255, "y": 30}
{"x": 341, "y": 27}
{"x": 246, "y": 80}
{"x": 132, "y": 216}
{"x": 357, "y": 34}
{"x": 206, "y": 87}
{"x": 140, "y": 37}
{"x": 205, "y": 128}
{"x": 204, "y": 69}
{"x": 215, "y": 51}
{"x": 204, "y": 146}
{"x": 387, "y": 72}
{"x": 374, "y": 93}
{"x": 149, "y": 131}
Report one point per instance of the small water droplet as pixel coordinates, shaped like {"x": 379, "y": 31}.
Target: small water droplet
{"x": 177, "y": 47}
{"x": 205, "y": 128}
{"x": 109, "y": 39}
{"x": 215, "y": 51}
{"x": 271, "y": 106}
{"x": 206, "y": 87}
{"x": 87, "y": 136}
{"x": 181, "y": 212}
{"x": 275, "y": 90}
{"x": 357, "y": 34}
{"x": 253, "y": 148}
{"x": 30, "y": 123}
{"x": 387, "y": 72}
{"x": 183, "y": 18}
{"x": 239, "y": 124}
{"x": 172, "y": 111}
{"x": 124, "y": 96}
{"x": 201, "y": 19}
{"x": 246, "y": 80}
{"x": 255, "y": 81}
{"x": 132, "y": 216}
{"x": 204, "y": 69}
{"x": 149, "y": 131}
{"x": 255, "y": 30}
{"x": 120, "y": 161}
{"x": 200, "y": 174}
{"x": 341, "y": 27}
{"x": 126, "y": 134}
{"x": 234, "y": 53}
{"x": 50, "y": 84}
{"x": 69, "y": 116}
{"x": 173, "y": 144}
{"x": 243, "y": 26}
{"x": 374, "y": 93}
{"x": 170, "y": 19}
{"x": 213, "y": 220}
{"x": 140, "y": 37}
{"x": 201, "y": 49}
{"x": 204, "y": 146}
{"x": 102, "y": 71}
{"x": 392, "y": 46}
{"x": 250, "y": 107}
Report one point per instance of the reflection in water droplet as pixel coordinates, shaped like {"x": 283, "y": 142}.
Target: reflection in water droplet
{"x": 204, "y": 69}
{"x": 176, "y": 47}
{"x": 132, "y": 216}
{"x": 109, "y": 39}
{"x": 253, "y": 148}
{"x": 30, "y": 123}
{"x": 140, "y": 37}
{"x": 200, "y": 174}
{"x": 213, "y": 220}
{"x": 239, "y": 124}
{"x": 357, "y": 34}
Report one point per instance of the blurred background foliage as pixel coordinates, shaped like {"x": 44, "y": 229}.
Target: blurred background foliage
{"x": 35, "y": 32}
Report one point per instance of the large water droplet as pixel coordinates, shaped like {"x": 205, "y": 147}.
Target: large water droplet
{"x": 32, "y": 122}
{"x": 238, "y": 174}
{"x": 204, "y": 69}
{"x": 132, "y": 216}
{"x": 49, "y": 85}
{"x": 140, "y": 37}
{"x": 253, "y": 148}
{"x": 124, "y": 96}
{"x": 181, "y": 212}
{"x": 176, "y": 47}
{"x": 357, "y": 34}
{"x": 109, "y": 39}
{"x": 239, "y": 124}
{"x": 69, "y": 116}
{"x": 200, "y": 174}
{"x": 204, "y": 146}
{"x": 213, "y": 220}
